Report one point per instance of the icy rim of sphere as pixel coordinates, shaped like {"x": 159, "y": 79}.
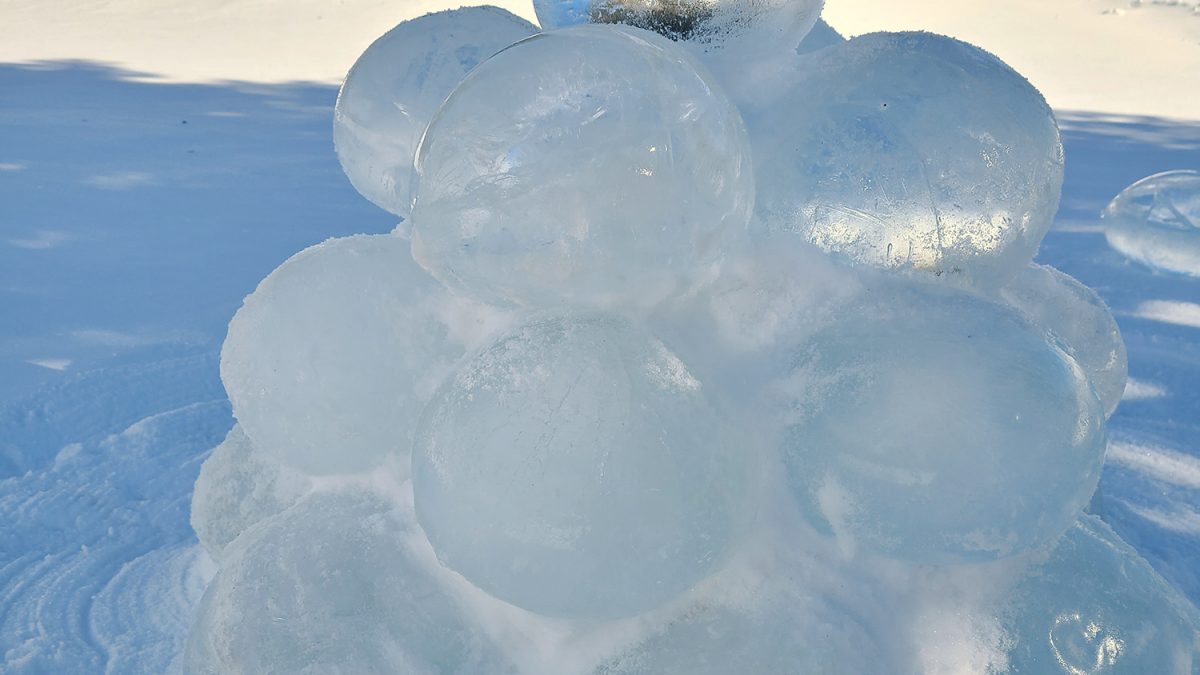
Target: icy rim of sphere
{"x": 591, "y": 166}
{"x": 398, "y": 83}
{"x": 577, "y": 469}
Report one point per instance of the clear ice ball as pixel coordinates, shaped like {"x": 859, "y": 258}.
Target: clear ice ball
{"x": 1156, "y": 221}
{"x": 910, "y": 152}
{"x": 393, "y": 89}
{"x": 576, "y": 469}
{"x": 595, "y": 165}
{"x": 938, "y": 428}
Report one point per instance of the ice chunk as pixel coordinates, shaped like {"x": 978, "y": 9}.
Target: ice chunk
{"x": 397, "y": 84}
{"x": 1095, "y": 606}
{"x": 575, "y": 468}
{"x": 911, "y": 152}
{"x": 329, "y": 362}
{"x": 1156, "y": 221}
{"x": 328, "y": 586}
{"x": 237, "y": 488}
{"x": 777, "y": 628}
{"x": 1080, "y": 319}
{"x": 821, "y": 36}
{"x": 939, "y": 427}
{"x": 590, "y": 165}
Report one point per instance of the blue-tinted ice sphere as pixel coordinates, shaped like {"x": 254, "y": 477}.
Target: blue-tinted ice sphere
{"x": 393, "y": 89}
{"x": 939, "y": 428}
{"x": 1156, "y": 221}
{"x": 576, "y": 468}
{"x": 596, "y": 165}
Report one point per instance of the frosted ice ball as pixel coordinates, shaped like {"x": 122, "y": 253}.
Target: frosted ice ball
{"x": 910, "y": 152}
{"x": 237, "y": 488}
{"x": 590, "y": 165}
{"x": 575, "y": 468}
{"x": 329, "y": 362}
{"x": 1156, "y": 221}
{"x": 397, "y": 84}
{"x": 1095, "y": 606}
{"x": 775, "y": 25}
{"x": 1075, "y": 315}
{"x": 938, "y": 428}
{"x": 329, "y": 586}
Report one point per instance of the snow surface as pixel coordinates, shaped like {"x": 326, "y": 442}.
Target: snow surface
{"x": 139, "y": 210}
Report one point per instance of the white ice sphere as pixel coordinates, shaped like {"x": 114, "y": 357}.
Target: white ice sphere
{"x": 709, "y": 25}
{"x": 575, "y": 468}
{"x": 397, "y": 84}
{"x": 589, "y": 165}
{"x": 329, "y": 362}
{"x": 1075, "y": 315}
{"x": 328, "y": 586}
{"x": 938, "y": 427}
{"x": 1156, "y": 221}
{"x": 1095, "y": 606}
{"x": 911, "y": 152}
{"x": 237, "y": 488}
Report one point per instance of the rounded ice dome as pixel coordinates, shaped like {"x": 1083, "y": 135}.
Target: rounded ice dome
{"x": 329, "y": 586}
{"x": 777, "y": 25}
{"x": 595, "y": 165}
{"x": 396, "y": 86}
{"x": 910, "y": 152}
{"x": 329, "y": 362}
{"x": 1094, "y": 605}
{"x": 938, "y": 428}
{"x": 1156, "y": 221}
{"x": 576, "y": 469}
{"x": 1078, "y": 317}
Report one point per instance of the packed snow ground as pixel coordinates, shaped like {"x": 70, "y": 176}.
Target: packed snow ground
{"x": 136, "y": 215}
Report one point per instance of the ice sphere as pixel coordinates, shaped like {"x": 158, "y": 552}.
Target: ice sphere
{"x": 329, "y": 362}
{"x": 910, "y": 152}
{"x": 328, "y": 586}
{"x": 575, "y": 468}
{"x": 1074, "y": 314}
{"x": 397, "y": 84}
{"x": 938, "y": 427}
{"x": 1095, "y": 606}
{"x": 237, "y": 488}
{"x": 1156, "y": 221}
{"x": 589, "y": 165}
{"x": 709, "y": 25}
{"x": 776, "y": 629}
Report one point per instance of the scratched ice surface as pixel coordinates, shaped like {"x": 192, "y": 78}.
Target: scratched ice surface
{"x": 576, "y": 468}
{"x": 1095, "y": 606}
{"x": 1156, "y": 221}
{"x": 237, "y": 488}
{"x": 328, "y": 586}
{"x": 394, "y": 88}
{"x": 938, "y": 427}
{"x": 911, "y": 152}
{"x": 1076, "y": 316}
{"x": 593, "y": 165}
{"x": 329, "y": 362}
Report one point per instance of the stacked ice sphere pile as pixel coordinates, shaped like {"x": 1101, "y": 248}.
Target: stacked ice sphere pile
{"x": 695, "y": 353}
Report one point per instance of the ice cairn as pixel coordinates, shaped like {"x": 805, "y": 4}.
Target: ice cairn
{"x": 696, "y": 352}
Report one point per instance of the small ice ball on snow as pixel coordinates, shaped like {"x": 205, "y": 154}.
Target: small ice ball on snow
{"x": 1095, "y": 606}
{"x": 237, "y": 488}
{"x": 588, "y": 165}
{"x": 909, "y": 151}
{"x": 1156, "y": 221}
{"x": 329, "y": 362}
{"x": 575, "y": 468}
{"x": 397, "y": 84}
{"x": 775, "y": 25}
{"x": 938, "y": 427}
{"x": 329, "y": 586}
{"x": 1074, "y": 314}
